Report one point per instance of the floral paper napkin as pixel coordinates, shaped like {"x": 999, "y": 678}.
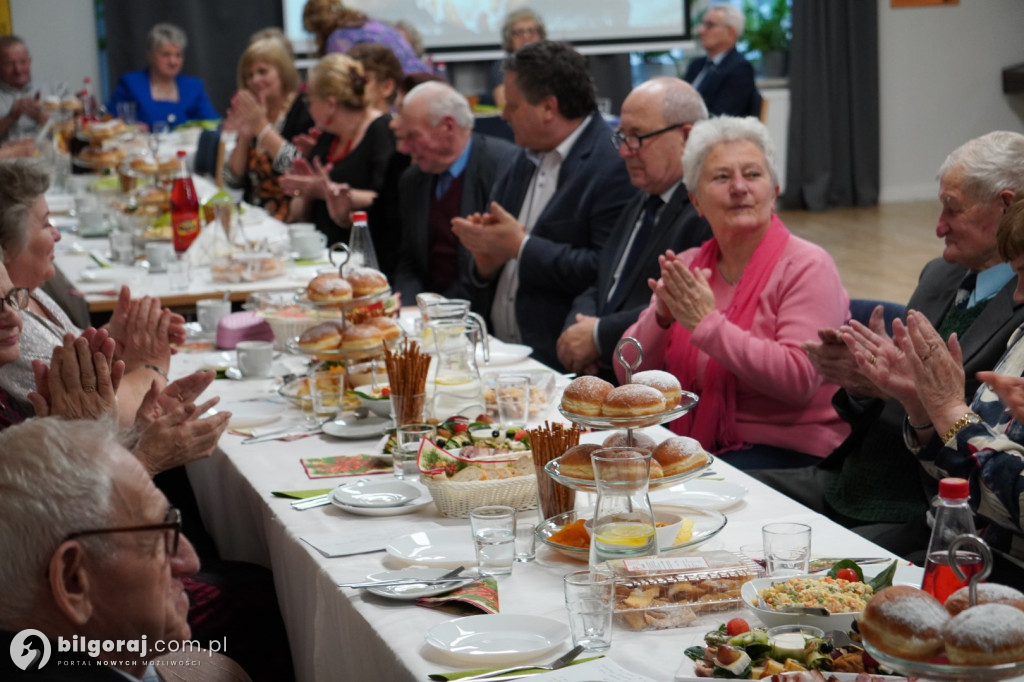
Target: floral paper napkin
{"x": 355, "y": 465}
{"x": 479, "y": 595}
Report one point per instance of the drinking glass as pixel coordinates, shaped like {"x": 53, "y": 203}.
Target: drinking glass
{"x": 326, "y": 380}
{"x": 409, "y": 437}
{"x": 526, "y": 540}
{"x": 787, "y": 548}
{"x": 589, "y": 599}
{"x": 494, "y": 536}
{"x": 512, "y": 392}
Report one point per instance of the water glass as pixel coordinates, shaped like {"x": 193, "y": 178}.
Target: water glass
{"x": 127, "y": 112}
{"x": 494, "y": 536}
{"x": 326, "y": 380}
{"x": 526, "y": 540}
{"x": 512, "y": 392}
{"x": 122, "y": 248}
{"x": 178, "y": 271}
{"x": 590, "y": 599}
{"x": 409, "y": 437}
{"x": 787, "y": 548}
{"x": 408, "y": 409}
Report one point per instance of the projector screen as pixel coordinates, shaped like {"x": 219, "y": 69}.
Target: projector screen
{"x": 476, "y": 24}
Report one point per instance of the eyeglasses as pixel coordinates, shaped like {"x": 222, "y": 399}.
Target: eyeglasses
{"x": 634, "y": 142}
{"x": 16, "y": 298}
{"x": 172, "y": 522}
{"x": 520, "y": 32}
{"x": 711, "y": 24}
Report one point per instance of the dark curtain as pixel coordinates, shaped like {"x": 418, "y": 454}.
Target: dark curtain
{"x": 833, "y": 153}
{"x": 218, "y": 32}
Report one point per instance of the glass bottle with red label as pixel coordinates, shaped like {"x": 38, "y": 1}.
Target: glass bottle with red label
{"x": 184, "y": 208}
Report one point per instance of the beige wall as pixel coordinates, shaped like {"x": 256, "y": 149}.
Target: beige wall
{"x": 940, "y": 84}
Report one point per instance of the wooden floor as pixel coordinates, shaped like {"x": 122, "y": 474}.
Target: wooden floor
{"x": 879, "y": 250}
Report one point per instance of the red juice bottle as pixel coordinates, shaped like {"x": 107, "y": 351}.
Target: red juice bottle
{"x": 953, "y": 517}
{"x": 184, "y": 208}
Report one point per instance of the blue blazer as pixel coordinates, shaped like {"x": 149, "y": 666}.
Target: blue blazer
{"x": 192, "y": 104}
{"x": 559, "y": 260}
{"x": 678, "y": 228}
{"x": 728, "y": 89}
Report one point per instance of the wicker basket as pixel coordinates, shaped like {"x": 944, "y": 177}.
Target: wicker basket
{"x": 456, "y": 498}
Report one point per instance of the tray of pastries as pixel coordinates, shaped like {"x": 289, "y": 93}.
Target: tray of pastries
{"x": 359, "y": 287}
{"x": 653, "y": 397}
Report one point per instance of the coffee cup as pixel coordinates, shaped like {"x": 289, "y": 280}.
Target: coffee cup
{"x": 255, "y": 358}
{"x": 308, "y": 245}
{"x": 159, "y": 254}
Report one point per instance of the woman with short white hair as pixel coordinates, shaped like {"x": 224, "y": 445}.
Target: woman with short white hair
{"x": 728, "y": 318}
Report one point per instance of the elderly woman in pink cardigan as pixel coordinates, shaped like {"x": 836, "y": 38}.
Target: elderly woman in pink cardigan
{"x": 728, "y": 317}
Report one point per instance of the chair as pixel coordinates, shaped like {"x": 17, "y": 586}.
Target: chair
{"x": 860, "y": 310}
{"x": 209, "y": 159}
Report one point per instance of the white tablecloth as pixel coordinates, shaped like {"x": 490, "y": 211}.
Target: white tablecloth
{"x": 340, "y": 634}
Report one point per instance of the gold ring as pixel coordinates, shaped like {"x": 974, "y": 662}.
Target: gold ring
{"x": 181, "y": 397}
{"x": 296, "y": 193}
{"x": 873, "y": 359}
{"x": 89, "y": 389}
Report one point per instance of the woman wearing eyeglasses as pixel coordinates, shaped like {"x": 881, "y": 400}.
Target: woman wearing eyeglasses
{"x": 521, "y": 27}
{"x": 729, "y": 317}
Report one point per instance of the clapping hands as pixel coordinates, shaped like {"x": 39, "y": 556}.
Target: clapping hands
{"x": 681, "y": 294}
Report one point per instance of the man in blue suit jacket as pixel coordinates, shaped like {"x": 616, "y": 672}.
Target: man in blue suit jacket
{"x": 452, "y": 172}
{"x": 553, "y": 208}
{"x": 724, "y": 78}
{"x": 656, "y": 120}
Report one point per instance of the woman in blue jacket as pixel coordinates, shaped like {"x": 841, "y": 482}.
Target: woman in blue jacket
{"x": 159, "y": 91}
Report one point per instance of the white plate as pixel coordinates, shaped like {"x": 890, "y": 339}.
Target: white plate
{"x": 443, "y": 548}
{"x": 503, "y": 353}
{"x": 376, "y": 494}
{"x": 246, "y": 415}
{"x": 414, "y": 591}
{"x": 350, "y": 427}
{"x": 117, "y": 273}
{"x": 701, "y": 493}
{"x": 497, "y": 639}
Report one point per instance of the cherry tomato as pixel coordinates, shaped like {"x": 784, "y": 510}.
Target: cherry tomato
{"x": 485, "y": 418}
{"x": 847, "y": 574}
{"x": 736, "y": 626}
{"x": 520, "y": 434}
{"x": 385, "y": 392}
{"x": 461, "y": 427}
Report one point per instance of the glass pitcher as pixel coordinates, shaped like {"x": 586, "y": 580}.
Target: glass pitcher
{"x": 458, "y": 389}
{"x": 456, "y": 309}
{"x": 623, "y": 526}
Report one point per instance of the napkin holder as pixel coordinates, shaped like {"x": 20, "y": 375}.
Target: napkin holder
{"x": 242, "y": 326}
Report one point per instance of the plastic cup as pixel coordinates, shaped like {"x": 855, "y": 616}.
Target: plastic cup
{"x": 787, "y": 548}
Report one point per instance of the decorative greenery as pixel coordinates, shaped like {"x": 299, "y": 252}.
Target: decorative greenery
{"x": 769, "y": 25}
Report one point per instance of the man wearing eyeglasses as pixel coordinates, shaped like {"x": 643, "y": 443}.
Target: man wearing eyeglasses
{"x": 657, "y": 117}
{"x": 552, "y": 207}
{"x": 90, "y": 549}
{"x": 724, "y": 78}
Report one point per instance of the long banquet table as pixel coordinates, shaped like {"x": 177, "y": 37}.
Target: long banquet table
{"x": 344, "y": 634}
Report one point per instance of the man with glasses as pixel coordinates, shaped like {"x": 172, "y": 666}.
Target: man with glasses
{"x": 656, "y": 119}
{"x": 724, "y": 78}
{"x": 552, "y": 207}
{"x": 91, "y": 549}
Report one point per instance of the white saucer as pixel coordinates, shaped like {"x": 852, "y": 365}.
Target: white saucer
{"x": 357, "y": 429}
{"x": 375, "y": 494}
{"x": 246, "y": 415}
{"x": 497, "y": 639}
{"x": 503, "y": 353}
{"x": 442, "y": 548}
{"x": 701, "y": 493}
{"x": 414, "y": 591}
{"x": 112, "y": 275}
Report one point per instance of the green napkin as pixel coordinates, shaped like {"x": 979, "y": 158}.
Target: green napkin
{"x": 458, "y": 675}
{"x": 300, "y": 494}
{"x": 311, "y": 261}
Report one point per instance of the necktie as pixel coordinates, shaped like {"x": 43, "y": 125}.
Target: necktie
{"x": 967, "y": 286}
{"x": 444, "y": 181}
{"x": 704, "y": 73}
{"x": 631, "y": 262}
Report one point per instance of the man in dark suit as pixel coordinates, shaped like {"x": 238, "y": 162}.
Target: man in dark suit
{"x": 656, "y": 119}
{"x": 724, "y": 78}
{"x": 872, "y": 481}
{"x": 452, "y": 172}
{"x": 552, "y": 208}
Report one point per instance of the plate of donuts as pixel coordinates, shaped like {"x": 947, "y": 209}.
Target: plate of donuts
{"x": 652, "y": 397}
{"x": 673, "y": 461}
